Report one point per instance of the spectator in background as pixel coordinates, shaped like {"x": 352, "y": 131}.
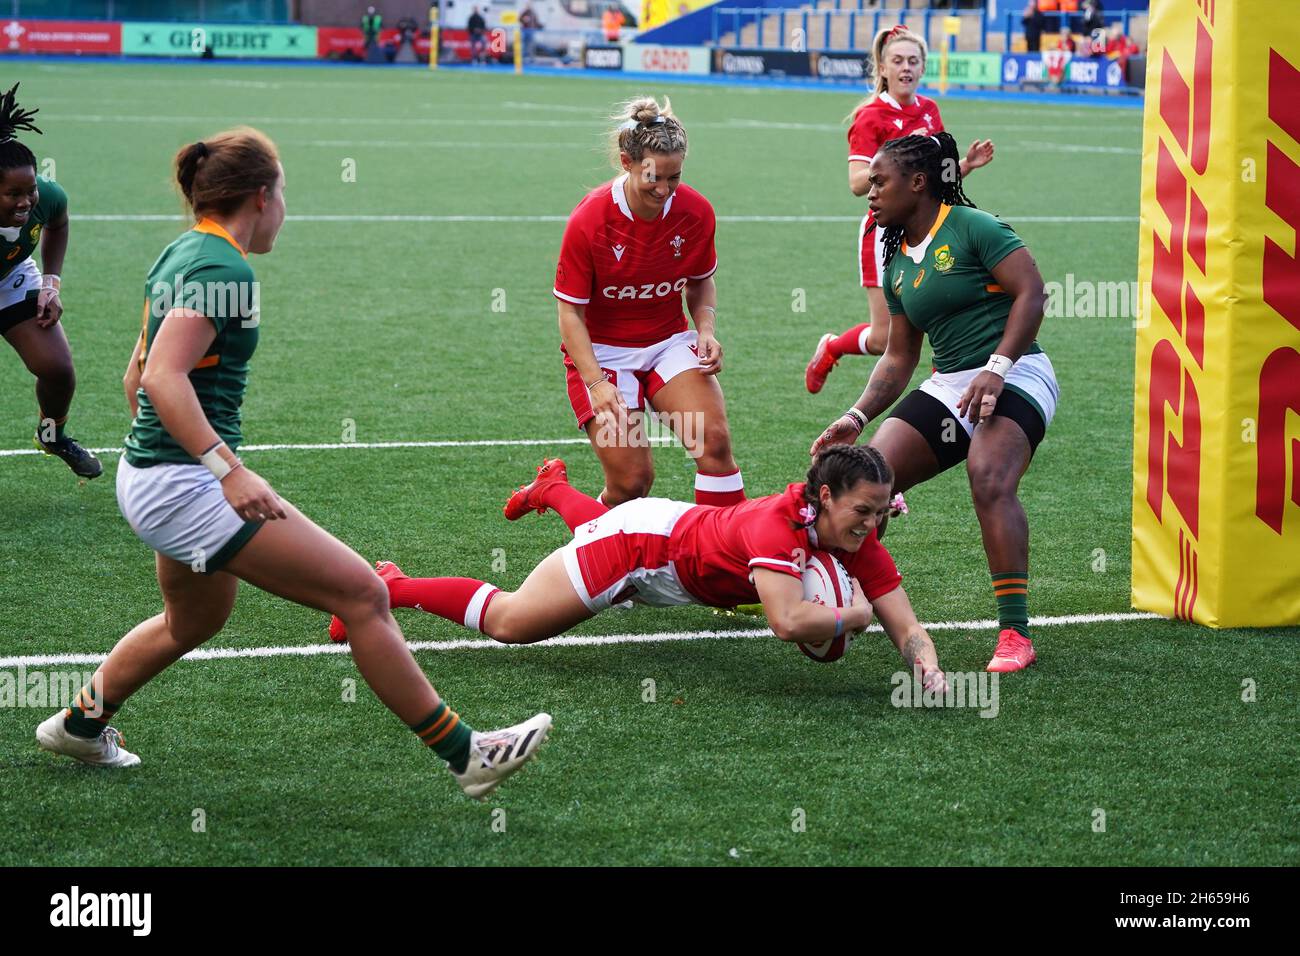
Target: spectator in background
{"x": 611, "y": 21}
{"x": 1094, "y": 27}
{"x": 1119, "y": 47}
{"x": 477, "y": 27}
{"x": 1058, "y": 58}
{"x": 1033, "y": 21}
{"x": 1093, "y": 18}
{"x": 371, "y": 24}
{"x": 528, "y": 27}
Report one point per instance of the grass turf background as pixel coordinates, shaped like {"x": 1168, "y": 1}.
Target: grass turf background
{"x": 390, "y": 325}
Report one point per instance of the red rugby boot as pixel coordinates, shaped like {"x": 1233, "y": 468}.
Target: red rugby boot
{"x": 814, "y": 376}
{"x": 527, "y": 498}
{"x": 1014, "y": 653}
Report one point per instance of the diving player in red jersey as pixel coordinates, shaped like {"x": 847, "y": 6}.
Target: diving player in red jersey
{"x": 634, "y": 251}
{"x": 892, "y": 111}
{"x": 665, "y": 553}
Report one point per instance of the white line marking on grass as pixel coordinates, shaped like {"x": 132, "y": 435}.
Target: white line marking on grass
{"x": 595, "y": 640}
{"x": 1037, "y": 147}
{"x": 477, "y": 443}
{"x": 734, "y": 125}
{"x": 549, "y": 107}
{"x": 352, "y": 218}
{"x": 420, "y": 143}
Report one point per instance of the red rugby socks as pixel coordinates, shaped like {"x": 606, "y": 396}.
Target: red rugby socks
{"x": 571, "y": 505}
{"x": 462, "y": 601}
{"x": 852, "y": 342}
{"x": 720, "y": 490}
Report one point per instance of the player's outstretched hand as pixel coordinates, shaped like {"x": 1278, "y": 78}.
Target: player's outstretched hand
{"x": 932, "y": 679}
{"x": 981, "y": 397}
{"x": 48, "y": 307}
{"x": 710, "y": 352}
{"x": 843, "y": 431}
{"x": 979, "y": 154}
{"x": 250, "y": 496}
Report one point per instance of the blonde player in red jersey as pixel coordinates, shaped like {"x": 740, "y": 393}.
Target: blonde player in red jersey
{"x": 893, "y": 110}
{"x": 665, "y": 553}
{"x": 636, "y": 250}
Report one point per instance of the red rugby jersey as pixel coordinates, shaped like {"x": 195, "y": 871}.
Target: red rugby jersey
{"x": 629, "y": 273}
{"x": 884, "y": 119}
{"x": 715, "y": 550}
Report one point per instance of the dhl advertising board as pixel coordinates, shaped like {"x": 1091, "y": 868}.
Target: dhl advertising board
{"x": 1216, "y": 452}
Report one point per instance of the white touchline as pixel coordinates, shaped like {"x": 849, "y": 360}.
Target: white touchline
{"x": 418, "y": 217}
{"x": 1034, "y": 146}
{"x": 595, "y": 640}
{"x": 477, "y": 443}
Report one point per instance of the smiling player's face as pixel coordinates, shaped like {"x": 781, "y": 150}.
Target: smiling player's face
{"x": 846, "y": 520}
{"x": 893, "y": 194}
{"x": 18, "y": 195}
{"x": 651, "y": 180}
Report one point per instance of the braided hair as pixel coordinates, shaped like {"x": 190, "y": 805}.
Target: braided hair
{"x": 935, "y": 156}
{"x": 13, "y": 154}
{"x": 645, "y": 127}
{"x": 840, "y": 467}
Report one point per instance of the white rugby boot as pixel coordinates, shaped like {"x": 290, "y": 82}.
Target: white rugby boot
{"x": 496, "y": 754}
{"x": 106, "y": 750}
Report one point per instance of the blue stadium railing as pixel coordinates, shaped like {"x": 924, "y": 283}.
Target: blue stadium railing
{"x": 863, "y": 24}
{"x": 215, "y": 11}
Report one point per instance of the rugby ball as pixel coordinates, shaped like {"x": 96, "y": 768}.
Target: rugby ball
{"x": 826, "y": 582}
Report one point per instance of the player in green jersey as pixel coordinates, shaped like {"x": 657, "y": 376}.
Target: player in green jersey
{"x": 34, "y": 210}
{"x": 210, "y": 519}
{"x": 964, "y": 280}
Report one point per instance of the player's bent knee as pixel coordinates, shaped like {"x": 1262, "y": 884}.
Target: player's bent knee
{"x": 991, "y": 485}
{"x": 56, "y": 373}
{"x": 190, "y": 630}
{"x": 628, "y": 487}
{"x": 717, "y": 445}
{"x": 365, "y": 597}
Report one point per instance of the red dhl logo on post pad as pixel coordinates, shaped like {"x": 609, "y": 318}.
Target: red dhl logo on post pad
{"x": 1172, "y": 465}
{"x": 1279, "y": 376}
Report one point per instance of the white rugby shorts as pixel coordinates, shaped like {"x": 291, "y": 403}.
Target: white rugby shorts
{"x": 1032, "y": 377}
{"x": 623, "y": 555}
{"x": 18, "y": 284}
{"x": 636, "y": 372}
{"x": 179, "y": 511}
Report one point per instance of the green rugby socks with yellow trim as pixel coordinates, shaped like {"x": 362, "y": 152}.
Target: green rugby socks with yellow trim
{"x": 86, "y": 718}
{"x": 1011, "y": 588}
{"x": 447, "y": 734}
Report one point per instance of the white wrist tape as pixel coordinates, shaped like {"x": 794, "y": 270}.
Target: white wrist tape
{"x": 51, "y": 280}
{"x": 213, "y": 462}
{"x": 858, "y": 416}
{"x": 999, "y": 365}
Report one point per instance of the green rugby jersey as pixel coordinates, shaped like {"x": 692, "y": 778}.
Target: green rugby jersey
{"x": 204, "y": 270}
{"x": 52, "y": 206}
{"x": 951, "y": 294}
